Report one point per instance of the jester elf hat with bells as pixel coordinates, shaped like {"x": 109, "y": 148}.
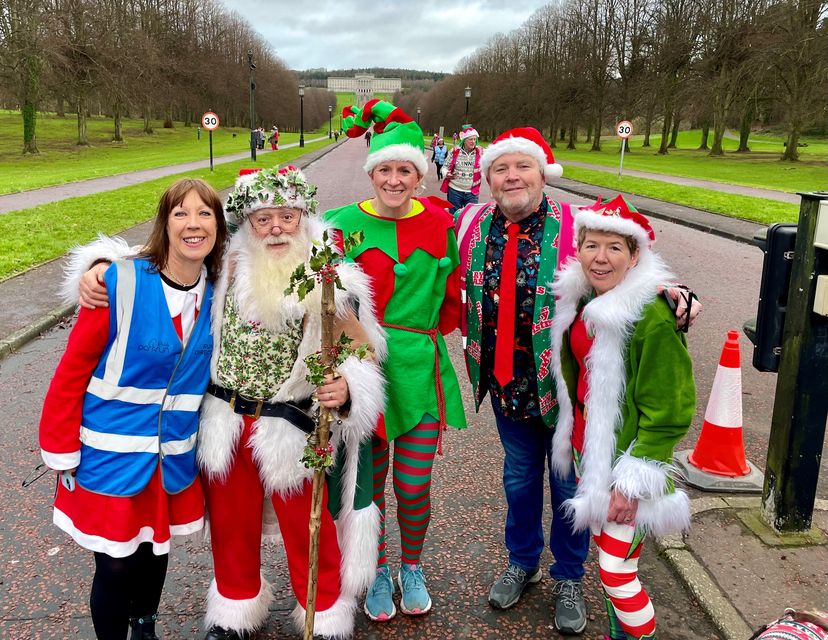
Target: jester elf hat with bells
{"x": 468, "y": 131}
{"x": 396, "y": 135}
{"x": 526, "y": 140}
{"x": 269, "y": 188}
{"x": 616, "y": 216}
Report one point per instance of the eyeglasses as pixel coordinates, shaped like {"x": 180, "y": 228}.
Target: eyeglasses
{"x": 266, "y": 221}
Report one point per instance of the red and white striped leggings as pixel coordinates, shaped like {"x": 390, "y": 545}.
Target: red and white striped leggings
{"x": 630, "y": 611}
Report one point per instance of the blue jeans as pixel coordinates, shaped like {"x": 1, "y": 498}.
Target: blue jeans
{"x": 459, "y": 199}
{"x": 528, "y": 448}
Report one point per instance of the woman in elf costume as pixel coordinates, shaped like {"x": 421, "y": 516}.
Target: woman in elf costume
{"x": 626, "y": 393}
{"x": 410, "y": 253}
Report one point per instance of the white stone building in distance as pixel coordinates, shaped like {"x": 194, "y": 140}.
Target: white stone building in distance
{"x": 364, "y": 86}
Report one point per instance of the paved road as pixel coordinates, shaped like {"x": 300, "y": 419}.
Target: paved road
{"x": 46, "y": 577}
{"x": 35, "y": 197}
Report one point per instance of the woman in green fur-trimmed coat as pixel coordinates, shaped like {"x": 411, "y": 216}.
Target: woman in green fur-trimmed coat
{"x": 627, "y": 396}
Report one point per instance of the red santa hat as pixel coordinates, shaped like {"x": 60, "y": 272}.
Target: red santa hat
{"x": 526, "y": 140}
{"x": 616, "y": 216}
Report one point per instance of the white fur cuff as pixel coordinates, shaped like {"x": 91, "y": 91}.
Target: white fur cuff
{"x": 366, "y": 390}
{"x": 238, "y": 615}
{"x": 336, "y": 622}
{"x": 640, "y": 478}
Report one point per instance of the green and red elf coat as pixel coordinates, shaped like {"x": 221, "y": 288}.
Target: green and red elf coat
{"x": 557, "y": 246}
{"x": 413, "y": 264}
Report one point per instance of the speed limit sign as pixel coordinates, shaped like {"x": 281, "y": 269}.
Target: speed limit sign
{"x": 210, "y": 121}
{"x": 624, "y": 129}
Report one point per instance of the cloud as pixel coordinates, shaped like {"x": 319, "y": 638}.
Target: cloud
{"x": 429, "y": 35}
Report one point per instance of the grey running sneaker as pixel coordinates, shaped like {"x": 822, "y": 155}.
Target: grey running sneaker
{"x": 509, "y": 586}
{"x": 570, "y": 608}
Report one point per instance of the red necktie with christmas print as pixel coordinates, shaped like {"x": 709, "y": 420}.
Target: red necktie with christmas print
{"x": 505, "y": 341}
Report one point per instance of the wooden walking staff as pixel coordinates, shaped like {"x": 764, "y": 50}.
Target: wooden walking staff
{"x": 319, "y": 440}
{"x": 318, "y": 453}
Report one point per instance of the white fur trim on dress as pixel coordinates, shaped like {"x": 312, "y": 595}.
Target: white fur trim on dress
{"x": 519, "y": 145}
{"x": 81, "y": 259}
{"x": 612, "y": 316}
{"x": 400, "y": 152}
{"x": 124, "y": 548}
{"x": 335, "y": 622}
{"x": 239, "y": 615}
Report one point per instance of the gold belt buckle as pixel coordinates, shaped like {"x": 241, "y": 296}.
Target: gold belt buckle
{"x": 258, "y": 412}
{"x": 233, "y": 401}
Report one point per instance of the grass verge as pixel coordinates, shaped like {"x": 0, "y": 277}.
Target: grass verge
{"x": 61, "y": 161}
{"x": 33, "y": 236}
{"x": 734, "y": 206}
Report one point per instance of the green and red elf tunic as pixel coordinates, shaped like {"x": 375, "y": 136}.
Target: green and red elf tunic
{"x": 557, "y": 246}
{"x": 413, "y": 264}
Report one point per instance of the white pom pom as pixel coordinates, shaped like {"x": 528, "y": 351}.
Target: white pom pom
{"x": 553, "y": 171}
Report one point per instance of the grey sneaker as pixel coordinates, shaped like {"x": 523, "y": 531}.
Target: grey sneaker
{"x": 507, "y": 589}
{"x": 570, "y": 608}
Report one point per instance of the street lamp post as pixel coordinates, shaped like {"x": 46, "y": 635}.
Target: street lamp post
{"x": 418, "y": 116}
{"x": 301, "y": 115}
{"x": 253, "y": 133}
{"x": 467, "y": 93}
{"x": 330, "y": 122}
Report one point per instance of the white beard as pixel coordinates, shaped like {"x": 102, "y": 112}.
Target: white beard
{"x": 262, "y": 276}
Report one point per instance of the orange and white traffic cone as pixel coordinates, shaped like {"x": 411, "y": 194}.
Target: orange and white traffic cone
{"x": 720, "y": 449}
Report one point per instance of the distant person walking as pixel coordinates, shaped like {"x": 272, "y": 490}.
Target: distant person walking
{"x": 368, "y": 139}
{"x": 462, "y": 182}
{"x": 439, "y": 157}
{"x": 274, "y": 138}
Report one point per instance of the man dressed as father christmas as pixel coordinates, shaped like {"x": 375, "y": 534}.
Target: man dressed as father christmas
{"x": 255, "y": 416}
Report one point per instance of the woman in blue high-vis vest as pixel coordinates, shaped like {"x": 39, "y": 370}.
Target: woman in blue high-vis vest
{"x": 120, "y": 418}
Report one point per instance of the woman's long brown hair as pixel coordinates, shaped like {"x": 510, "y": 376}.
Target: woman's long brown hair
{"x": 157, "y": 247}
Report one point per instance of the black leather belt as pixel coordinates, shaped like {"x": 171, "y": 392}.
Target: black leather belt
{"x": 293, "y": 413}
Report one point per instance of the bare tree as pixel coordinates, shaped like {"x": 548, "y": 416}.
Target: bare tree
{"x": 22, "y": 59}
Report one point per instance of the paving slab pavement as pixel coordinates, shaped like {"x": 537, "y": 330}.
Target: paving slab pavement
{"x": 35, "y": 197}
{"x": 736, "y": 580}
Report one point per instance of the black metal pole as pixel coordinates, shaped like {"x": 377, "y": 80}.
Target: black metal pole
{"x": 466, "y": 116}
{"x": 330, "y": 123}
{"x": 253, "y": 133}
{"x": 301, "y": 121}
{"x": 211, "y": 149}
{"x": 801, "y": 405}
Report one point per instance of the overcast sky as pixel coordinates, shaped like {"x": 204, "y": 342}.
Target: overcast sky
{"x": 408, "y": 34}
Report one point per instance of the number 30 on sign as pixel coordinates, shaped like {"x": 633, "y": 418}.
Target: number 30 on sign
{"x": 210, "y": 121}
{"x": 624, "y": 129}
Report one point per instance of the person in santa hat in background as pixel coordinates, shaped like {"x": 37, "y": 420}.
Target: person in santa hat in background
{"x": 509, "y": 251}
{"x": 409, "y": 251}
{"x": 626, "y": 397}
{"x": 256, "y": 416}
{"x": 463, "y": 176}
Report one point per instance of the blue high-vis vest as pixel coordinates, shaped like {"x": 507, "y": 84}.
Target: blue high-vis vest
{"x": 141, "y": 405}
